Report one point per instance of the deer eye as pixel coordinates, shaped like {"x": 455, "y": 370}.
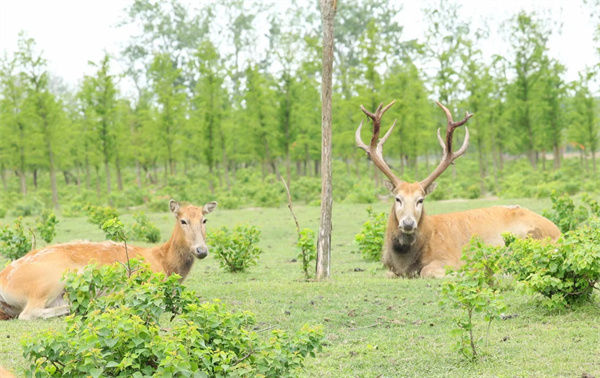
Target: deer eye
{"x": 183, "y": 222}
{"x": 399, "y": 201}
{"x": 420, "y": 201}
{"x": 204, "y": 220}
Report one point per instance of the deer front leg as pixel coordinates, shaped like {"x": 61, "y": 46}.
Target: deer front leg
{"x": 435, "y": 269}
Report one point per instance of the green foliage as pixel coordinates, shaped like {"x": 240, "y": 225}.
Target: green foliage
{"x": 46, "y": 226}
{"x": 143, "y": 229}
{"x": 308, "y": 250}
{"x": 473, "y": 289}
{"x": 371, "y": 236}
{"x": 564, "y": 214}
{"x": 565, "y": 273}
{"x": 237, "y": 250}
{"x": 116, "y": 330}
{"x": 98, "y": 215}
{"x": 2, "y": 212}
{"x": 114, "y": 229}
{"x": 14, "y": 244}
{"x": 31, "y": 205}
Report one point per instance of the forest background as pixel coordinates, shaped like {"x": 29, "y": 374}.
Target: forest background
{"x": 211, "y": 113}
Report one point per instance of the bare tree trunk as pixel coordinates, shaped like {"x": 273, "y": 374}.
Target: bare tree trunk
{"x": 87, "y": 173}
{"x": 97, "y": 181}
{"x": 119, "y": 176}
{"x": 328, "y": 9}
{"x": 108, "y": 184}
{"x": 138, "y": 173}
{"x": 23, "y": 180}
{"x": 556, "y": 153}
{"x": 3, "y": 176}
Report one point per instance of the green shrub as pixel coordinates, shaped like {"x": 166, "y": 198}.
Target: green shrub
{"x": 237, "y": 250}
{"x": 46, "y": 226}
{"x": 564, "y": 214}
{"x": 98, "y": 215}
{"x": 564, "y": 273}
{"x": 73, "y": 210}
{"x": 308, "y": 250}
{"x": 32, "y": 205}
{"x": 14, "y": 244}
{"x": 2, "y": 212}
{"x": 371, "y": 236}
{"x": 473, "y": 289}
{"x": 143, "y": 229}
{"x": 121, "y": 334}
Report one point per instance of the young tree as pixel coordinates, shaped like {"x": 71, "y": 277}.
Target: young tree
{"x": 44, "y": 110}
{"x": 13, "y": 126}
{"x": 328, "y": 9}
{"x": 528, "y": 37}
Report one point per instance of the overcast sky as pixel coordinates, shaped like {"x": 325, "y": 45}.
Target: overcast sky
{"x": 73, "y": 32}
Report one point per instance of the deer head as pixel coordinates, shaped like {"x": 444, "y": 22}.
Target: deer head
{"x": 409, "y": 197}
{"x": 190, "y": 230}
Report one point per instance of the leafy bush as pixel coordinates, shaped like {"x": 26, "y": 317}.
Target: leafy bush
{"x": 308, "y": 249}
{"x": 143, "y": 229}
{"x": 14, "y": 244}
{"x": 564, "y": 273}
{"x": 98, "y": 215}
{"x": 46, "y": 226}
{"x": 73, "y": 209}
{"x": 564, "y": 214}
{"x": 32, "y": 205}
{"x": 120, "y": 334}
{"x": 2, "y": 212}
{"x": 237, "y": 250}
{"x": 473, "y": 289}
{"x": 371, "y": 236}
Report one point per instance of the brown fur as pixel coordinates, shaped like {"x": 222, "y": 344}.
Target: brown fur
{"x": 31, "y": 286}
{"x": 5, "y": 373}
{"x": 438, "y": 240}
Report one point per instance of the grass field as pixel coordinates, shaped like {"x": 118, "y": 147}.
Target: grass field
{"x": 374, "y": 326}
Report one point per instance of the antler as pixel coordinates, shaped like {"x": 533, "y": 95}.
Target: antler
{"x": 449, "y": 156}
{"x": 375, "y": 148}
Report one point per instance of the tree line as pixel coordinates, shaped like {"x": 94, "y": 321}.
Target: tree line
{"x": 210, "y": 87}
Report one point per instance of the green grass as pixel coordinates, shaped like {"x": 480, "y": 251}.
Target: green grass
{"x": 374, "y": 326}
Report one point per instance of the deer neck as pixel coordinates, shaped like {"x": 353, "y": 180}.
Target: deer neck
{"x": 174, "y": 257}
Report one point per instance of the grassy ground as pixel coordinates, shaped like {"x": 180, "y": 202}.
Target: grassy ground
{"x": 374, "y": 326}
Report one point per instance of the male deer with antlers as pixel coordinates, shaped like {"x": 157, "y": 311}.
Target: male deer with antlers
{"x": 417, "y": 244}
{"x": 31, "y": 287}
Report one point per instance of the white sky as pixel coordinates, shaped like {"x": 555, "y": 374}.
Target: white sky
{"x": 73, "y": 32}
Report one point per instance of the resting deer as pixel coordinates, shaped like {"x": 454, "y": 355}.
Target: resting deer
{"x": 418, "y": 244}
{"x": 31, "y": 287}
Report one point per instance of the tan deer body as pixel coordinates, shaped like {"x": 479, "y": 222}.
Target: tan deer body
{"x": 31, "y": 287}
{"x": 417, "y": 244}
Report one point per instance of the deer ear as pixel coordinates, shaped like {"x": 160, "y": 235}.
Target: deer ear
{"x": 174, "y": 207}
{"x": 430, "y": 188}
{"x": 388, "y": 184}
{"x": 209, "y": 207}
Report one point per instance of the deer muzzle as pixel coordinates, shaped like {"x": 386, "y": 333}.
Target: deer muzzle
{"x": 201, "y": 252}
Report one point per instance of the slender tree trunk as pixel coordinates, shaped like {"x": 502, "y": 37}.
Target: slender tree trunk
{"x": 108, "y": 183}
{"x": 138, "y": 173}
{"x": 118, "y": 167}
{"x": 97, "y": 168}
{"x": 87, "y": 173}
{"x": 35, "y": 178}
{"x": 328, "y": 9}
{"x": 23, "y": 181}
{"x": 556, "y": 153}
{"x": 3, "y": 176}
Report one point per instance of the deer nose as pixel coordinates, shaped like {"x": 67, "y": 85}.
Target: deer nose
{"x": 408, "y": 224}
{"x": 201, "y": 252}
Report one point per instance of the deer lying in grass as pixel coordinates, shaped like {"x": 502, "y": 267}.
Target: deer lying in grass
{"x": 31, "y": 287}
{"x": 417, "y": 244}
